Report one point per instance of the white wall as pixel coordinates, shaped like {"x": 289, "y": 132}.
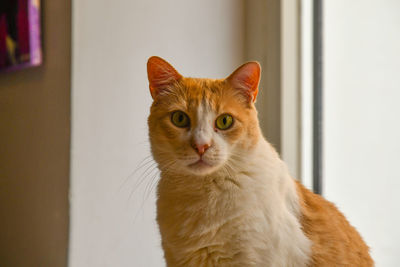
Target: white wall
{"x": 111, "y": 43}
{"x": 361, "y": 122}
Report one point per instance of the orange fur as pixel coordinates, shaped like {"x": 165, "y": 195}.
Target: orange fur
{"x": 335, "y": 241}
{"x": 239, "y": 207}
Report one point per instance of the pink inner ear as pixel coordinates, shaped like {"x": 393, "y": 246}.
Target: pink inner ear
{"x": 246, "y": 78}
{"x": 160, "y": 74}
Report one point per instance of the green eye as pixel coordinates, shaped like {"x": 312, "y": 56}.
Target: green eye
{"x": 224, "y": 121}
{"x": 180, "y": 119}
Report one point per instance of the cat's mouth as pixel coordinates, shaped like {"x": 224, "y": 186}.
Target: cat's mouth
{"x": 200, "y": 164}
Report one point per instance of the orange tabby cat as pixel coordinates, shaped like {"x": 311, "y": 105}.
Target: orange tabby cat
{"x": 225, "y": 198}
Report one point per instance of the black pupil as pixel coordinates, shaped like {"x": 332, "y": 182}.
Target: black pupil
{"x": 180, "y": 118}
{"x": 224, "y": 120}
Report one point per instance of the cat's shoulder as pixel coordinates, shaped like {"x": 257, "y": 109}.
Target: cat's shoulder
{"x": 334, "y": 240}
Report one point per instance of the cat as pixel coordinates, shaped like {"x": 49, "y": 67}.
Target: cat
{"x": 225, "y": 198}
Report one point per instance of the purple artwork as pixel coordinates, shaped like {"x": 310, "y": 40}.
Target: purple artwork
{"x": 20, "y": 43}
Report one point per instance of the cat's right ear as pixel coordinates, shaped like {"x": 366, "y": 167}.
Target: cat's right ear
{"x": 161, "y": 74}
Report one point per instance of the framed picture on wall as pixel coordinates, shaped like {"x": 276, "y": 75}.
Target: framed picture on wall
{"x": 20, "y": 41}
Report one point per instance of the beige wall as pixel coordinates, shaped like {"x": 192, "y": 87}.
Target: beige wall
{"x": 34, "y": 151}
{"x": 263, "y": 43}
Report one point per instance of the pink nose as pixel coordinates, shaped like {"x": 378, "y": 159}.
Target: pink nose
{"x": 201, "y": 148}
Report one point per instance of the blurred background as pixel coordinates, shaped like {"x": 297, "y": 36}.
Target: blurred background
{"x": 77, "y": 186}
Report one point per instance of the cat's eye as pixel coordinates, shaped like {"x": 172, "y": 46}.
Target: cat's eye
{"x": 180, "y": 119}
{"x": 224, "y": 122}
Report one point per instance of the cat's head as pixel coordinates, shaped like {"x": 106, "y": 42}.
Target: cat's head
{"x": 197, "y": 126}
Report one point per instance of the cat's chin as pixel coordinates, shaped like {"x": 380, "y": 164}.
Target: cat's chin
{"x": 201, "y": 167}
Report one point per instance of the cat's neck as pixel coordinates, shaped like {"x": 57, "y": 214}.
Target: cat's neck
{"x": 259, "y": 185}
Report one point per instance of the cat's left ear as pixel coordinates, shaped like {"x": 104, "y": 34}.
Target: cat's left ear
{"x": 161, "y": 74}
{"x": 246, "y": 78}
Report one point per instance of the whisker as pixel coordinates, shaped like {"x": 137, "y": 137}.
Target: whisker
{"x": 148, "y": 172}
{"x": 143, "y": 177}
{"x": 149, "y": 185}
{"x": 140, "y": 165}
{"x": 152, "y": 183}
